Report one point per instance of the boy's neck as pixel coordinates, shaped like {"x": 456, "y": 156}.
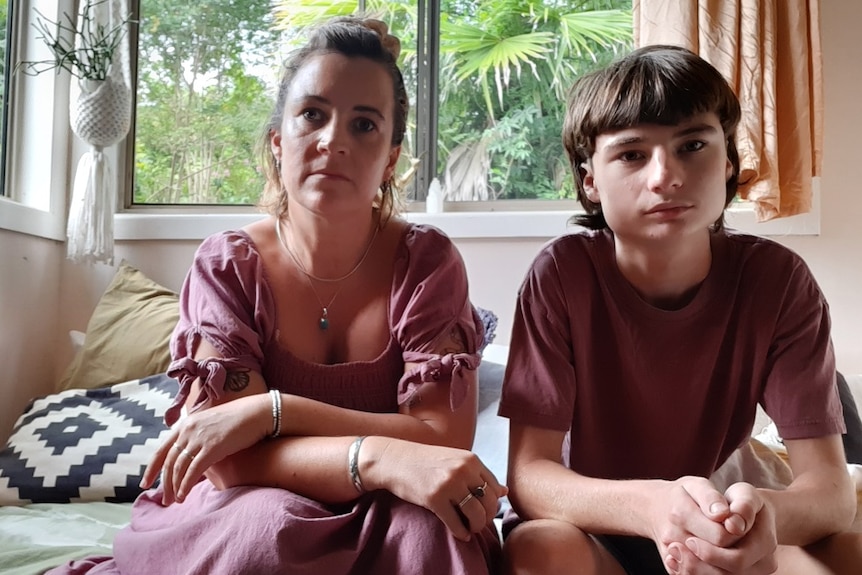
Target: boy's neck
{"x": 666, "y": 276}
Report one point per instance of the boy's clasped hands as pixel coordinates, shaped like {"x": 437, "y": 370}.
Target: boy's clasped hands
{"x": 701, "y": 531}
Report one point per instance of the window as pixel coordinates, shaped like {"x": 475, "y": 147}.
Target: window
{"x": 5, "y": 53}
{"x": 486, "y": 80}
{"x": 35, "y": 127}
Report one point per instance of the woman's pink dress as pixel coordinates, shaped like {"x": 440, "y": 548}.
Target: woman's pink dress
{"x": 253, "y": 530}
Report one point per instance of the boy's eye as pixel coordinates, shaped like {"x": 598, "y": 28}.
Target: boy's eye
{"x": 630, "y": 156}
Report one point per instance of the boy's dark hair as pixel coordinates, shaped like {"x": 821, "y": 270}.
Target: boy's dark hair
{"x": 658, "y": 84}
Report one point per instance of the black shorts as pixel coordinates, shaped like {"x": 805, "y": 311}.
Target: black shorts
{"x": 637, "y": 555}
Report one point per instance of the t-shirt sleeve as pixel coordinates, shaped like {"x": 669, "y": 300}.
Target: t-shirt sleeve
{"x": 225, "y": 301}
{"x": 801, "y": 394}
{"x": 539, "y": 385}
{"x": 429, "y": 302}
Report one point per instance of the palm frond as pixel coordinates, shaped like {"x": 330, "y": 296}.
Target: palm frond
{"x": 293, "y": 14}
{"x": 479, "y": 53}
{"x": 466, "y": 175}
{"x": 290, "y": 14}
{"x": 582, "y": 32}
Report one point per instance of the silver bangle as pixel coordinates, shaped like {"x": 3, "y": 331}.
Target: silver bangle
{"x": 353, "y": 463}
{"x": 275, "y": 395}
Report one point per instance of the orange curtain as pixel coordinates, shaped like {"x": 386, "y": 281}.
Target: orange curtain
{"x": 770, "y": 52}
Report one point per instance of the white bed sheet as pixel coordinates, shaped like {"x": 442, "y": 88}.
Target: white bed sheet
{"x": 37, "y": 537}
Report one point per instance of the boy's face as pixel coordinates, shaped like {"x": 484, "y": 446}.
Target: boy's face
{"x": 659, "y": 182}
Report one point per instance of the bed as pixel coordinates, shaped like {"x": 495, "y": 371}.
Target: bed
{"x": 70, "y": 470}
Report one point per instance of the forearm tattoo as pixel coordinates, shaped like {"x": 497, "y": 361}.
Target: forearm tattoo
{"x": 236, "y": 380}
{"x": 454, "y": 342}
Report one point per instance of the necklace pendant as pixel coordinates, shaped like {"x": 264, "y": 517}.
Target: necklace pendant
{"x": 323, "y": 322}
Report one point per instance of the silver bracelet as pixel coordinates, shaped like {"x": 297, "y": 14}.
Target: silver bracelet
{"x": 275, "y": 395}
{"x": 353, "y": 463}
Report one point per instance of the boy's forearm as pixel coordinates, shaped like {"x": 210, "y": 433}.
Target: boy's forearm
{"x": 547, "y": 490}
{"x": 813, "y": 506}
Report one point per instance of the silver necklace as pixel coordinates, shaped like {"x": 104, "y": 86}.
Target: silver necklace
{"x": 323, "y": 322}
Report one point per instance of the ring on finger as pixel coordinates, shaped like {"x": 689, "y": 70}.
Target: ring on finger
{"x": 480, "y": 491}
{"x": 187, "y": 453}
{"x": 464, "y": 501}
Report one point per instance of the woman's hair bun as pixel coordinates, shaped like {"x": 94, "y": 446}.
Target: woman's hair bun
{"x": 390, "y": 43}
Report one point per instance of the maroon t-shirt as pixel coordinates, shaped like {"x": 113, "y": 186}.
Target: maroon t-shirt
{"x": 650, "y": 393}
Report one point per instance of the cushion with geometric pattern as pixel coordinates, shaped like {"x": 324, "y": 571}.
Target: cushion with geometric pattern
{"x": 85, "y": 444}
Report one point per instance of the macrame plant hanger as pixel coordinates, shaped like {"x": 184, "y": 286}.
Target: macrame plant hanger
{"x": 100, "y": 115}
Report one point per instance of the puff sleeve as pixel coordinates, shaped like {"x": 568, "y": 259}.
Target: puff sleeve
{"x": 430, "y": 300}
{"x": 226, "y": 301}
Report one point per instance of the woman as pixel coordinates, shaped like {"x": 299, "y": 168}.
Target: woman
{"x": 358, "y": 324}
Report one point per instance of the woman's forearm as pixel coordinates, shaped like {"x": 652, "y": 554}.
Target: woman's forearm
{"x": 315, "y": 467}
{"x": 307, "y": 417}
{"x": 310, "y": 456}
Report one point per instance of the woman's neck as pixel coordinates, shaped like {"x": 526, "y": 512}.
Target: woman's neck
{"x": 326, "y": 248}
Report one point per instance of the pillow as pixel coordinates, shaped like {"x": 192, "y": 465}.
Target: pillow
{"x": 490, "y": 383}
{"x": 853, "y": 437}
{"x": 491, "y": 442}
{"x": 755, "y": 463}
{"x": 128, "y": 334}
{"x": 85, "y": 445}
{"x": 766, "y": 431}
{"x": 489, "y": 322}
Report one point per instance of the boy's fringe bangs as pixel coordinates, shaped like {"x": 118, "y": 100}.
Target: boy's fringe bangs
{"x": 650, "y": 94}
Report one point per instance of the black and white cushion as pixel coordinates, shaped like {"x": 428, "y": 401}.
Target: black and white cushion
{"x": 85, "y": 445}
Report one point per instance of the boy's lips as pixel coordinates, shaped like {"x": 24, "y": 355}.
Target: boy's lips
{"x": 668, "y": 208}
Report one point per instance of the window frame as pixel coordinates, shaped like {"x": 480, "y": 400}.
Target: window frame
{"x": 38, "y": 113}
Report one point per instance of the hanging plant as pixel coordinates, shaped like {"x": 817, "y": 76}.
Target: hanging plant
{"x": 92, "y": 47}
{"x": 83, "y": 47}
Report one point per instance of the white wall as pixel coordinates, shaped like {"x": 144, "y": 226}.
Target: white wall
{"x": 29, "y": 299}
{"x": 496, "y": 267}
{"x": 834, "y": 255}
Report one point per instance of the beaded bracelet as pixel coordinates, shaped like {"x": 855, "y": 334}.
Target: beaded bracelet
{"x": 353, "y": 463}
{"x": 275, "y": 395}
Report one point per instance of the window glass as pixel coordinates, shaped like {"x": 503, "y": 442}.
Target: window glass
{"x": 207, "y": 69}
{"x": 202, "y": 98}
{"x": 505, "y": 67}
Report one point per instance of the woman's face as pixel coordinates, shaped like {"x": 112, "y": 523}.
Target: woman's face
{"x": 335, "y": 140}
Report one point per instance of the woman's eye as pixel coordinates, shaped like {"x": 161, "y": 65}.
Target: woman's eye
{"x": 311, "y": 115}
{"x": 365, "y": 125}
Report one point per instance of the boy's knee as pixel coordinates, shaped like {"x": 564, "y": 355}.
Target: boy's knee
{"x": 548, "y": 546}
